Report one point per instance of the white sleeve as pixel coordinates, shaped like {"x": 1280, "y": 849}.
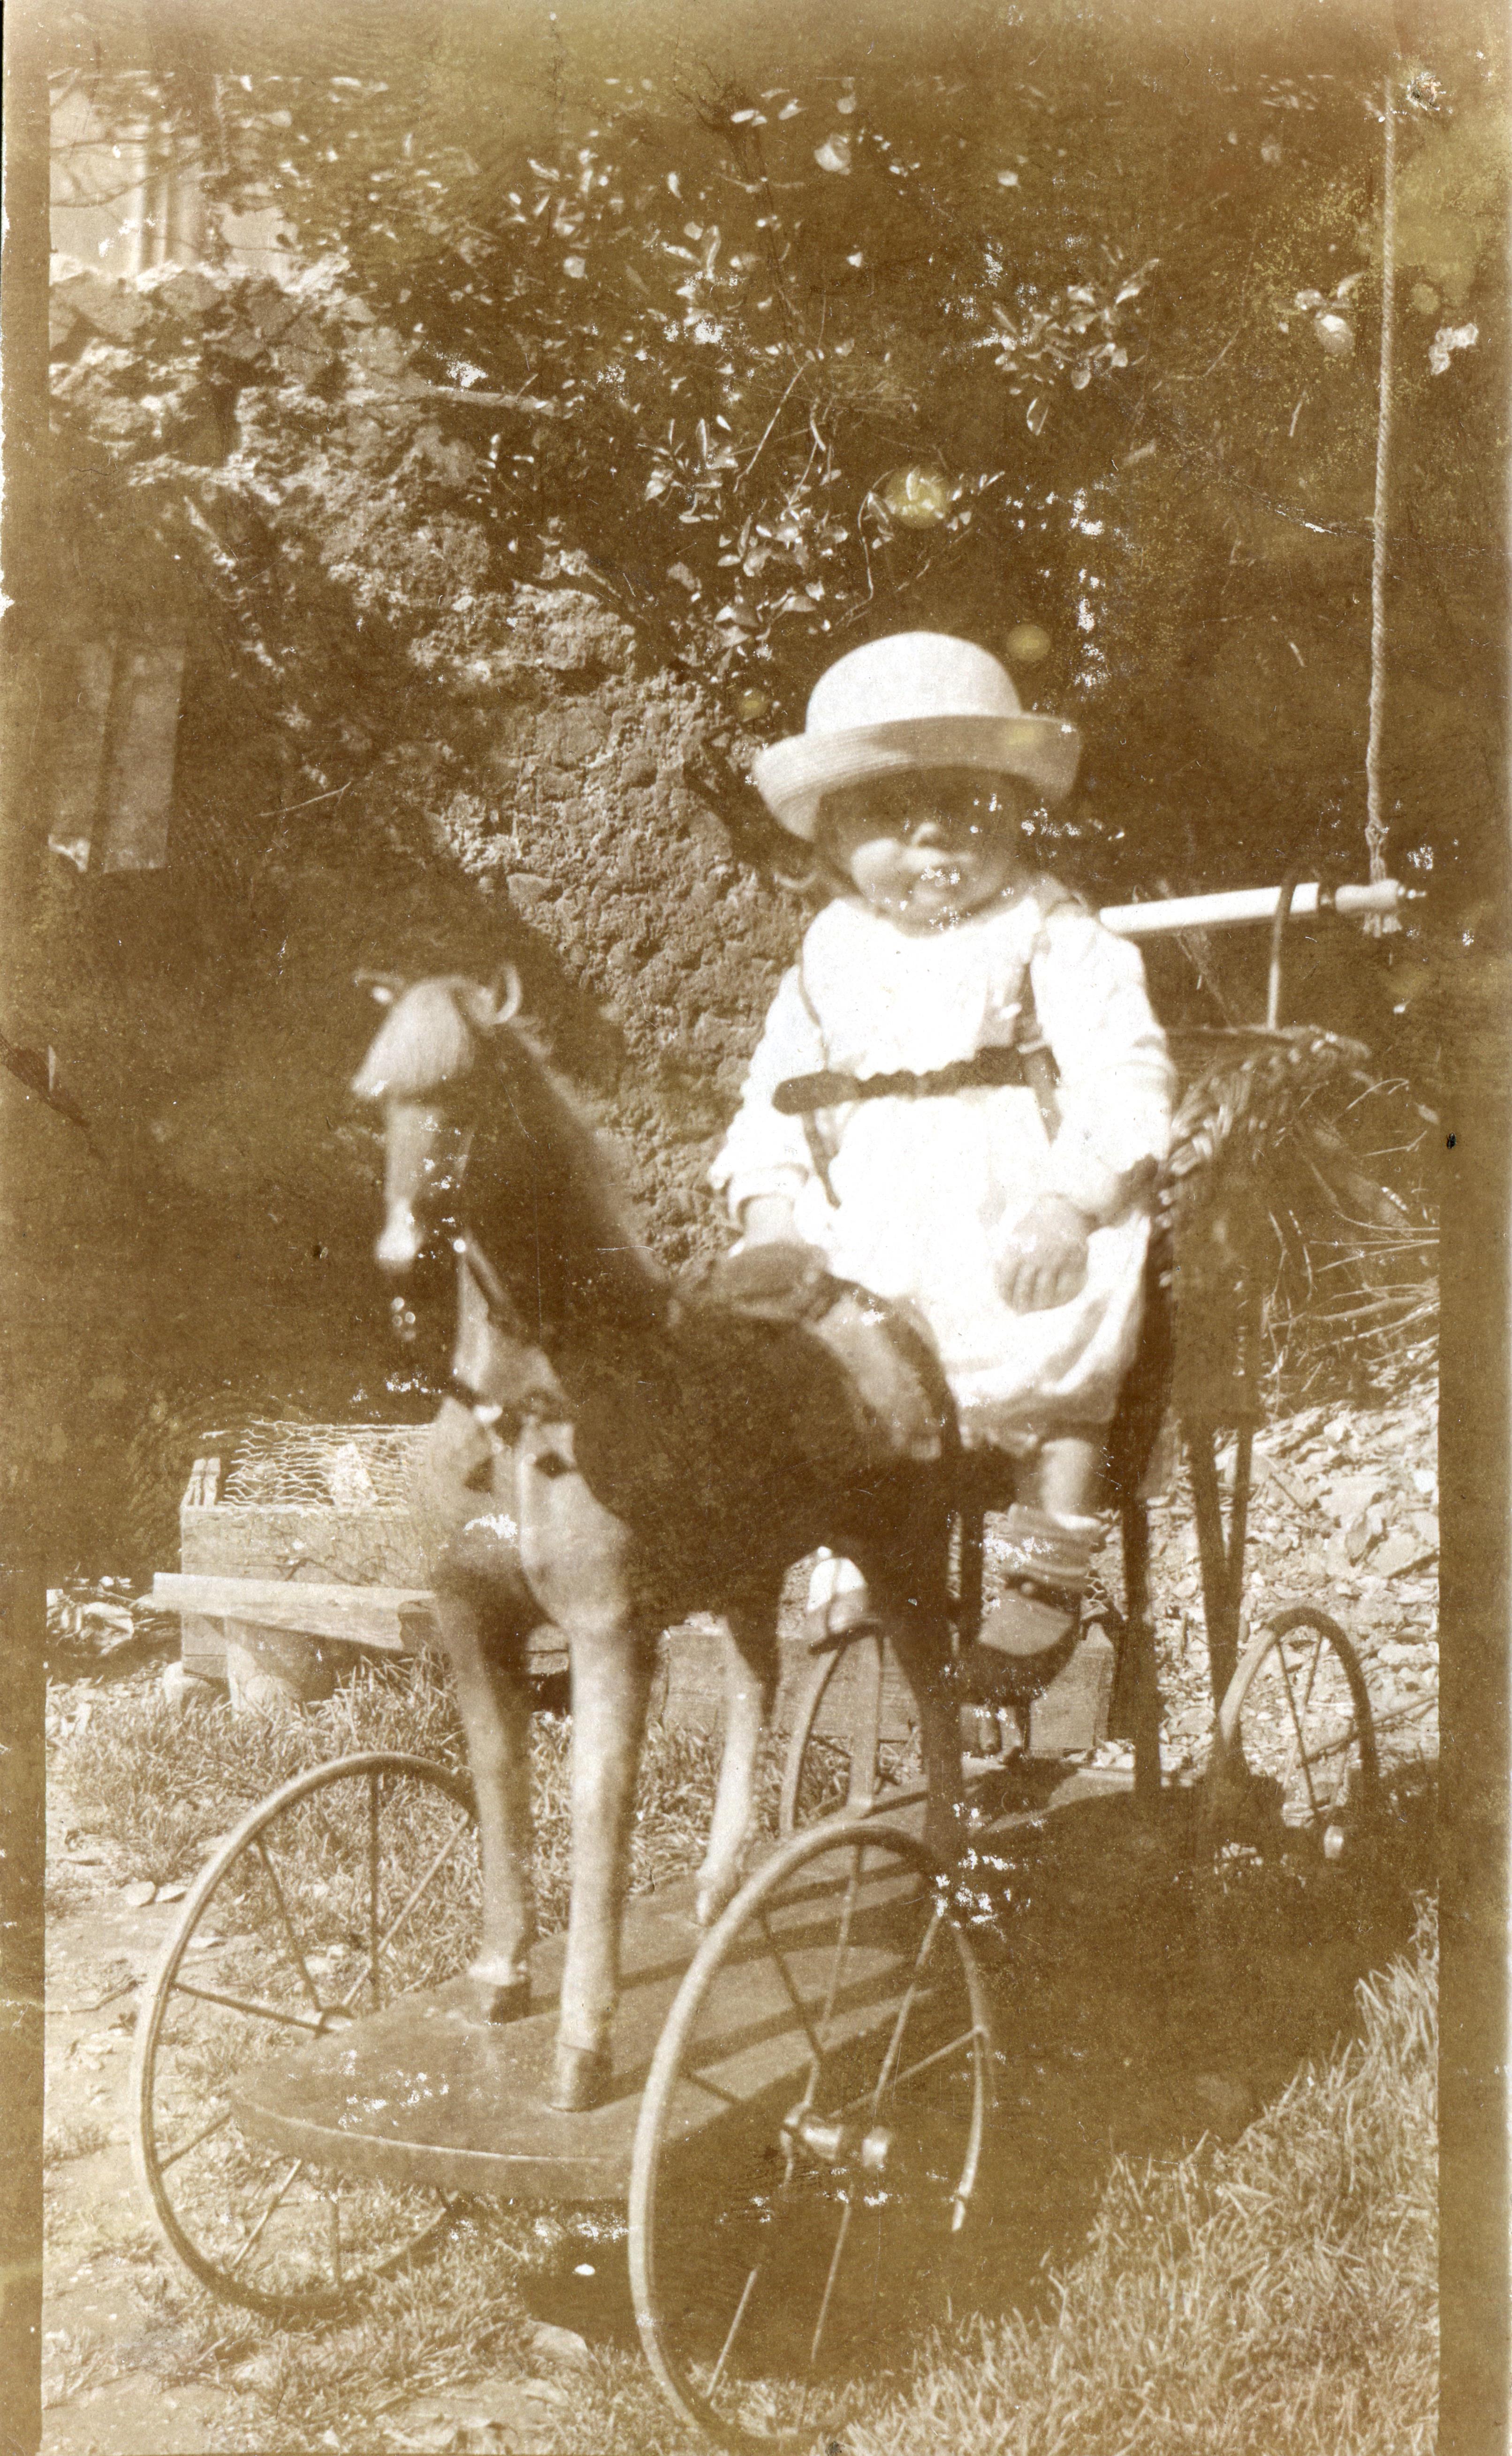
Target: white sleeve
{"x": 765, "y": 1152}
{"x": 1116, "y": 1079}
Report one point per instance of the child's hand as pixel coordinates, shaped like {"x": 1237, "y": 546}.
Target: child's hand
{"x": 1044, "y": 1262}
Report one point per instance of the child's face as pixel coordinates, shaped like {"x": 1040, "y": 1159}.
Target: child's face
{"x": 929, "y": 846}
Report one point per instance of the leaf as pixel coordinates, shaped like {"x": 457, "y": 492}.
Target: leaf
{"x": 1035, "y": 415}
{"x": 834, "y": 153}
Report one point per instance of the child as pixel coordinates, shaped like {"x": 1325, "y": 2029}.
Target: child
{"x": 1013, "y": 1216}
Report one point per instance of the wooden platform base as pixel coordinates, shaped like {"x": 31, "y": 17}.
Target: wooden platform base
{"x": 426, "y": 2092}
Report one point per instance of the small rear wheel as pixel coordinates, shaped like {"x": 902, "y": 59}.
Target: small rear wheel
{"x": 1294, "y": 1767}
{"x": 810, "y": 2135}
{"x": 846, "y": 1750}
{"x": 353, "y": 1884}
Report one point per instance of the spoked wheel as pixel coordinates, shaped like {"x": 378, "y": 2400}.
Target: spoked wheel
{"x": 834, "y": 2027}
{"x": 353, "y": 1884}
{"x": 1294, "y": 1764}
{"x": 838, "y": 1761}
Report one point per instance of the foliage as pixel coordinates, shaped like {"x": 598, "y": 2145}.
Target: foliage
{"x": 928, "y": 336}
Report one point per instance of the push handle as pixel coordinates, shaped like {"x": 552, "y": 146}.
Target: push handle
{"x": 1242, "y": 907}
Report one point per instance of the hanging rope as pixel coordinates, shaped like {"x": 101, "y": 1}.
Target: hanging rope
{"x": 1378, "y": 925}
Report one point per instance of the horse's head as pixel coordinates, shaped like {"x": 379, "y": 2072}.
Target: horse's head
{"x": 420, "y": 1067}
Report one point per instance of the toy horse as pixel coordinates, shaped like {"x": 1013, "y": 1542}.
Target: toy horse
{"x": 618, "y": 1453}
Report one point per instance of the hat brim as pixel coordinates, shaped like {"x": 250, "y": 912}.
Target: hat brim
{"x": 792, "y": 777}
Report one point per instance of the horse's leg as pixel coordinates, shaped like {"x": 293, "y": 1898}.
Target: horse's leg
{"x": 462, "y": 1499}
{"x": 485, "y": 1636}
{"x": 923, "y": 1646}
{"x": 750, "y": 1684}
{"x": 611, "y": 1679}
{"x": 908, "y": 1573}
{"x": 577, "y": 1557}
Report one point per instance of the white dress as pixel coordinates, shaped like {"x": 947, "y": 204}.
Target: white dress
{"x": 927, "y": 1189}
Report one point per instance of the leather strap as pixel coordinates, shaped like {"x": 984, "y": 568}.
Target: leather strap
{"x": 1027, "y": 1064}
{"x": 990, "y": 1069}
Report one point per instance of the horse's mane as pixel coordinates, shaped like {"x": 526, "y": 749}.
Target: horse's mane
{"x": 548, "y": 1112}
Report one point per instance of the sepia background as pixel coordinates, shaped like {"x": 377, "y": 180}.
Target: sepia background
{"x": 445, "y": 440}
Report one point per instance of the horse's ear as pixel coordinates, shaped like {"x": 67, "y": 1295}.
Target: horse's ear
{"x": 500, "y": 1003}
{"x": 385, "y": 987}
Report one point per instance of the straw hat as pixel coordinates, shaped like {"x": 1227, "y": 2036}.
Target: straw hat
{"x": 919, "y": 699}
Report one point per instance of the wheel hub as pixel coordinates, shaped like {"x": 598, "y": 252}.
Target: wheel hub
{"x": 830, "y": 2140}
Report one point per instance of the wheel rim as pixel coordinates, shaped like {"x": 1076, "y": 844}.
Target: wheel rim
{"x": 827, "y": 1773}
{"x": 1295, "y": 1762}
{"x": 353, "y": 1884}
{"x": 768, "y": 2254}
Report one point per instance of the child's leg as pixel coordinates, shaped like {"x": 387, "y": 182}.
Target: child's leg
{"x": 1051, "y": 1536}
{"x": 1066, "y": 1476}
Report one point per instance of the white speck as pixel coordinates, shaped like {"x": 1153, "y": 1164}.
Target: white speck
{"x": 1449, "y": 337}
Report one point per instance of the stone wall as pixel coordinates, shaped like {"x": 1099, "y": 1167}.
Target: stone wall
{"x": 583, "y": 818}
{"x": 510, "y": 739}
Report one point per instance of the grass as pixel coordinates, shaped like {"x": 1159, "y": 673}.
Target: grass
{"x": 459, "y": 2321}
{"x": 163, "y": 1784}
{"x": 1273, "y": 2298}
{"x": 78, "y": 2137}
{"x": 70, "y": 2365}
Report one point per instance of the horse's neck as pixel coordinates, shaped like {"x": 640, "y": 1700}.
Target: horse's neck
{"x": 538, "y": 1201}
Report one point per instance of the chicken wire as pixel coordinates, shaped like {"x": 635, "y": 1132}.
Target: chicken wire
{"x": 321, "y": 1466}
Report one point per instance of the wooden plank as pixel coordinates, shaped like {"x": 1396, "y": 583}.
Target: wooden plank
{"x": 373, "y": 1616}
{"x": 343, "y": 1548}
{"x": 427, "y": 2092}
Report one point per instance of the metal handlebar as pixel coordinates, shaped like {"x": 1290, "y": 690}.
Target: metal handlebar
{"x": 1242, "y": 907}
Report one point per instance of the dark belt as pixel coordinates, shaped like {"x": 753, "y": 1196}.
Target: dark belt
{"x": 989, "y": 1070}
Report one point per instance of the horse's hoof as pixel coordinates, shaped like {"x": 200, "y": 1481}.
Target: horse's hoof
{"x": 580, "y": 2078}
{"x": 499, "y": 1995}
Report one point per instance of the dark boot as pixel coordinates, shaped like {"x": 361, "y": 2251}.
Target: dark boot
{"x": 1034, "y": 1621}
